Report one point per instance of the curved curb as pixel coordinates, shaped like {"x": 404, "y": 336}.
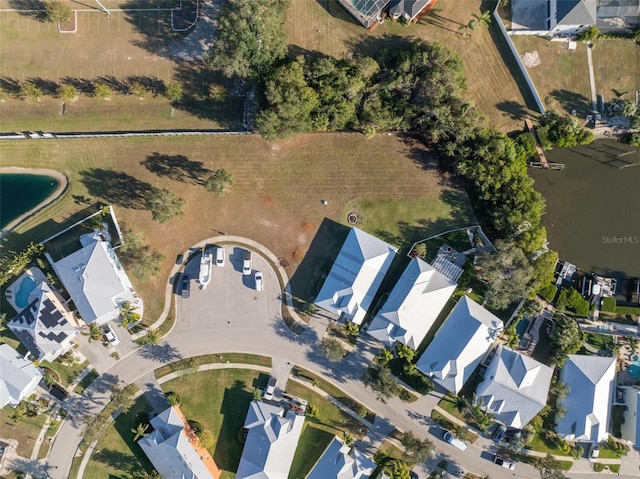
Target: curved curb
{"x": 242, "y": 241}
{"x": 63, "y": 185}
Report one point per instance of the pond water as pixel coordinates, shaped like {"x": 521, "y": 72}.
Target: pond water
{"x": 20, "y": 193}
{"x": 593, "y": 213}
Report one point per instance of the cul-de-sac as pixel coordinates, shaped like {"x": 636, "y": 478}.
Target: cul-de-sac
{"x": 319, "y": 239}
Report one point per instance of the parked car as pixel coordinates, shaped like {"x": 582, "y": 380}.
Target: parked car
{"x": 110, "y": 335}
{"x": 259, "y": 284}
{"x": 502, "y": 462}
{"x": 271, "y": 388}
{"x": 246, "y": 263}
{"x": 220, "y": 256}
{"x": 500, "y": 434}
{"x": 454, "y": 441}
{"x": 186, "y": 285}
{"x": 180, "y": 259}
{"x": 595, "y": 452}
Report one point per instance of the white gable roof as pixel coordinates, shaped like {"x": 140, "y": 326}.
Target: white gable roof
{"x": 514, "y": 388}
{"x": 95, "y": 281}
{"x": 631, "y": 425}
{"x": 171, "y": 452}
{"x": 356, "y": 275}
{"x": 587, "y": 405}
{"x": 340, "y": 461}
{"x": 458, "y": 347}
{"x": 413, "y": 305}
{"x": 45, "y": 326}
{"x": 271, "y": 442}
{"x": 19, "y": 378}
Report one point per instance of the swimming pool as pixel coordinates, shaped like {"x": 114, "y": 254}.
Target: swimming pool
{"x": 522, "y": 326}
{"x": 634, "y": 370}
{"x": 27, "y": 285}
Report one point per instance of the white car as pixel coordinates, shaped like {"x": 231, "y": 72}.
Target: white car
{"x": 501, "y": 461}
{"x": 258, "y": 278}
{"x": 246, "y": 263}
{"x": 110, "y": 335}
{"x": 220, "y": 256}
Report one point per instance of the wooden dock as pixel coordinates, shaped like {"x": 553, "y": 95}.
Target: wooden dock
{"x": 528, "y": 126}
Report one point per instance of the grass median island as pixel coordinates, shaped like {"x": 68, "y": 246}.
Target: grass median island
{"x": 116, "y": 454}
{"x": 63, "y": 373}
{"x": 277, "y": 190}
{"x": 189, "y": 363}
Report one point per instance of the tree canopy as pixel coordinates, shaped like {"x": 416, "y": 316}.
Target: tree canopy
{"x": 251, "y": 37}
{"x": 567, "y": 338}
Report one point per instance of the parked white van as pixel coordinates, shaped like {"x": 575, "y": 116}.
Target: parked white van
{"x": 454, "y": 441}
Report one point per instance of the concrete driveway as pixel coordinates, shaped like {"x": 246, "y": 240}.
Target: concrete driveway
{"x": 230, "y": 301}
{"x": 99, "y": 355}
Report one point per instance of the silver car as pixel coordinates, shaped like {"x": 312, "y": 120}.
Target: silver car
{"x": 259, "y": 283}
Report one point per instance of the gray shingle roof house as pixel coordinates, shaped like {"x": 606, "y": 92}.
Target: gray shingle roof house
{"x": 460, "y": 344}
{"x": 514, "y": 388}
{"x": 412, "y": 306}
{"x": 407, "y": 9}
{"x": 45, "y": 326}
{"x": 557, "y": 17}
{"x": 19, "y": 377}
{"x": 355, "y": 276}
{"x": 588, "y": 404}
{"x": 95, "y": 280}
{"x": 272, "y": 438}
{"x": 340, "y": 461}
{"x": 174, "y": 450}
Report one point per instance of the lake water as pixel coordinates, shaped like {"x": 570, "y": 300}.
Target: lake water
{"x": 20, "y": 193}
{"x": 593, "y": 212}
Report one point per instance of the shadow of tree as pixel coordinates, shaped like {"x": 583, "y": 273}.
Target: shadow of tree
{"x": 84, "y": 86}
{"x": 233, "y": 409}
{"x": 114, "y": 84}
{"x": 176, "y": 167}
{"x": 10, "y": 85}
{"x": 335, "y": 10}
{"x": 29, "y": 8}
{"x": 570, "y": 100}
{"x": 373, "y": 46}
{"x": 117, "y": 460}
{"x": 162, "y": 353}
{"x": 48, "y": 87}
{"x": 512, "y": 108}
{"x": 116, "y": 187}
{"x": 152, "y": 84}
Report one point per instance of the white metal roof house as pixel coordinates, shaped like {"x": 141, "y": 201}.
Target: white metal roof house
{"x": 96, "y": 281}
{"x": 340, "y": 461}
{"x": 174, "y": 450}
{"x": 631, "y": 425}
{"x": 460, "y": 344}
{"x": 355, "y": 276}
{"x": 19, "y": 377}
{"x": 45, "y": 326}
{"x": 552, "y": 17}
{"x": 514, "y": 388}
{"x": 412, "y": 306}
{"x": 272, "y": 438}
{"x": 588, "y": 403}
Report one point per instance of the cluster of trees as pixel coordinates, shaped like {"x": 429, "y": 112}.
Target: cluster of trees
{"x": 19, "y": 261}
{"x": 332, "y": 349}
{"x": 564, "y": 131}
{"x": 570, "y": 299}
{"x": 567, "y": 338}
{"x": 138, "y": 256}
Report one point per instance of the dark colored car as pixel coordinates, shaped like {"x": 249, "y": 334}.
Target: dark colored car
{"x": 186, "y": 284}
{"x": 500, "y": 434}
{"x": 179, "y": 259}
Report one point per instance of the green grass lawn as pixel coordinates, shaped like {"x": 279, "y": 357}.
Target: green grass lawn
{"x": 390, "y": 449}
{"x": 448, "y": 404}
{"x": 64, "y": 374}
{"x": 318, "y": 432}
{"x": 332, "y": 390}
{"x": 116, "y": 454}
{"x": 25, "y": 431}
{"x": 240, "y": 358}
{"x": 219, "y": 400}
{"x": 599, "y": 341}
{"x": 86, "y": 381}
{"x": 538, "y": 443}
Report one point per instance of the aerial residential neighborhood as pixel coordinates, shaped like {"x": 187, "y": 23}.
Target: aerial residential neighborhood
{"x": 318, "y": 239}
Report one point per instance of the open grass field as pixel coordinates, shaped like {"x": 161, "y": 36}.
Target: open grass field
{"x": 219, "y": 400}
{"x": 562, "y": 77}
{"x": 116, "y": 454}
{"x": 325, "y": 27}
{"x": 276, "y": 199}
{"x": 140, "y": 45}
{"x": 25, "y": 430}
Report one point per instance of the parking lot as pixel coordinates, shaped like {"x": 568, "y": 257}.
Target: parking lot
{"x": 230, "y": 300}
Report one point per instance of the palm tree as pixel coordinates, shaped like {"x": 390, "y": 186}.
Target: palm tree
{"x": 385, "y": 355}
{"x": 140, "y": 431}
{"x": 405, "y": 352}
{"x": 128, "y": 314}
{"x": 152, "y": 337}
{"x": 348, "y": 439}
{"x": 351, "y": 328}
{"x": 475, "y": 22}
{"x": 18, "y": 412}
{"x": 461, "y": 402}
{"x": 94, "y": 333}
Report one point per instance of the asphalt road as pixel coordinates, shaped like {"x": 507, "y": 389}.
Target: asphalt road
{"x": 230, "y": 316}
